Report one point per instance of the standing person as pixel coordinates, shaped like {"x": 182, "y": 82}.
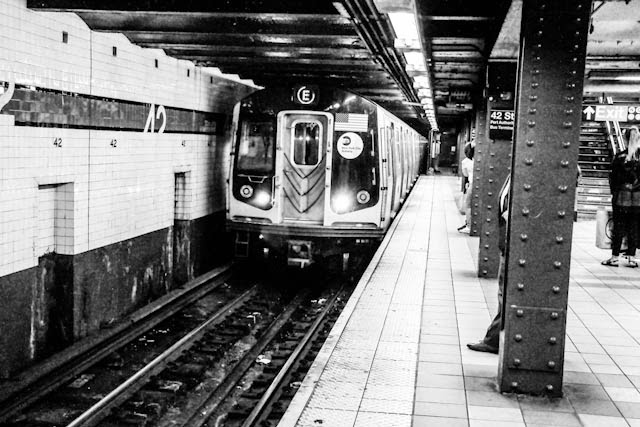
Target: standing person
{"x": 624, "y": 182}
{"x": 491, "y": 341}
{"x": 466, "y": 167}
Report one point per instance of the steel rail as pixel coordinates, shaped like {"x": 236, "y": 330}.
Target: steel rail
{"x": 201, "y": 416}
{"x": 44, "y": 378}
{"x": 99, "y": 410}
{"x": 284, "y": 370}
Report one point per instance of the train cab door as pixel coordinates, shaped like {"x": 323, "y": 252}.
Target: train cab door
{"x": 301, "y": 161}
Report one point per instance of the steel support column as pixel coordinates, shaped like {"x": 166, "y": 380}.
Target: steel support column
{"x": 549, "y": 97}
{"x": 479, "y": 160}
{"x": 495, "y": 164}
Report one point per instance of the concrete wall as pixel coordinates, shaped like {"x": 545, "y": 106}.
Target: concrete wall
{"x": 87, "y": 198}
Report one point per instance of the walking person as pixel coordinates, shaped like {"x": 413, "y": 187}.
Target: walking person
{"x": 466, "y": 167}
{"x": 624, "y": 182}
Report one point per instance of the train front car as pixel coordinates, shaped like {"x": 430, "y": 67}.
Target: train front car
{"x": 305, "y": 179}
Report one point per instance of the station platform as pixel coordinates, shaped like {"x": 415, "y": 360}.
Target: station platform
{"x": 397, "y": 355}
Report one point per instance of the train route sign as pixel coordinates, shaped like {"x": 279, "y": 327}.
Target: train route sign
{"x": 501, "y": 124}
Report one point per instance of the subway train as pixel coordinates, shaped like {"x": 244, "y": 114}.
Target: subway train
{"x": 316, "y": 172}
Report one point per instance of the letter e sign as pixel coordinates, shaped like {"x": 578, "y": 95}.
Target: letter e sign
{"x": 306, "y": 94}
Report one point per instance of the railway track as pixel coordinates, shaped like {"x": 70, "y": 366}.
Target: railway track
{"x": 233, "y": 360}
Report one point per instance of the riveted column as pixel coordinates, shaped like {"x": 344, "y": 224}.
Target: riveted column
{"x": 496, "y": 160}
{"x": 478, "y": 162}
{"x": 549, "y": 96}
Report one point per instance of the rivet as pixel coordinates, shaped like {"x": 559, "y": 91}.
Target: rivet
{"x": 554, "y": 315}
{"x": 489, "y": 193}
{"x": 518, "y": 337}
{"x": 486, "y": 246}
{"x": 490, "y": 181}
{"x": 559, "y": 239}
{"x": 488, "y": 219}
{"x": 568, "y": 111}
{"x": 570, "y": 98}
{"x": 574, "y": 59}
{"x": 549, "y": 388}
{"x": 551, "y": 364}
{"x": 519, "y": 313}
{"x": 514, "y": 384}
{"x": 576, "y": 47}
{"x": 562, "y": 188}
{"x": 525, "y": 212}
{"x": 516, "y": 362}
{"x": 530, "y": 143}
{"x": 564, "y": 163}
{"x": 570, "y": 85}
{"x": 566, "y": 144}
{"x": 526, "y": 187}
{"x": 541, "y": 19}
{"x": 532, "y": 110}
{"x": 567, "y": 124}
{"x": 523, "y": 237}
{"x": 536, "y": 58}
{"x": 533, "y": 97}
{"x": 556, "y": 289}
{"x": 489, "y": 207}
{"x": 485, "y": 272}
{"x": 539, "y": 32}
{"x": 491, "y": 168}
{"x": 528, "y": 162}
{"x": 557, "y": 264}
{"x": 535, "y": 84}
{"x": 485, "y": 259}
{"x": 578, "y": 19}
{"x": 521, "y": 286}
{"x": 572, "y": 72}
{"x": 553, "y": 340}
{"x": 531, "y": 123}
{"x": 487, "y": 233}
{"x": 535, "y": 70}
{"x": 522, "y": 262}
{"x": 562, "y": 214}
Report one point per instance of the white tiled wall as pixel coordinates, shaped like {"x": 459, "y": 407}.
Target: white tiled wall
{"x": 110, "y": 193}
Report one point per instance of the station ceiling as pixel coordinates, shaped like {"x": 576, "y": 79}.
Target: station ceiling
{"x": 347, "y": 43}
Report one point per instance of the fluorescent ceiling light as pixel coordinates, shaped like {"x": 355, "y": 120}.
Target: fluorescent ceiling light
{"x": 341, "y": 9}
{"x": 617, "y": 75}
{"x": 404, "y": 25}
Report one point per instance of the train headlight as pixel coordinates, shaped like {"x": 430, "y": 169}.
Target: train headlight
{"x": 263, "y": 198}
{"x": 246, "y": 191}
{"x": 363, "y": 197}
{"x": 342, "y": 203}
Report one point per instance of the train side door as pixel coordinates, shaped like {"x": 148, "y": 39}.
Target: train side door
{"x": 301, "y": 162}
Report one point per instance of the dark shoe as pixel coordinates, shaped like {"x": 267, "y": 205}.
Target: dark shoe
{"x": 612, "y": 262}
{"x": 632, "y": 261}
{"x": 483, "y": 346}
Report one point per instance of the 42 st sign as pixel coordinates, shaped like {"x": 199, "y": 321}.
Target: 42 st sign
{"x": 611, "y": 113}
{"x": 501, "y": 124}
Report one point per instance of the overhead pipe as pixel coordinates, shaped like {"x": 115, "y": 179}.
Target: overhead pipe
{"x": 371, "y": 34}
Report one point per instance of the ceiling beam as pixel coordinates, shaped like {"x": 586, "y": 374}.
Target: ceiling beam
{"x": 115, "y": 21}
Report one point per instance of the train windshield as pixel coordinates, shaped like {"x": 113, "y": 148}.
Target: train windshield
{"x": 255, "y": 148}
{"x": 306, "y": 143}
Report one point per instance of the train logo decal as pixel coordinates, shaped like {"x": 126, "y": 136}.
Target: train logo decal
{"x": 350, "y": 145}
{"x": 305, "y": 95}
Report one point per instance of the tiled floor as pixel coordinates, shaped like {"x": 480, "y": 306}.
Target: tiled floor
{"x": 397, "y": 355}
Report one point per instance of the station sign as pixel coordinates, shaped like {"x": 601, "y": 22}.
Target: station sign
{"x": 611, "y": 112}
{"x": 501, "y": 124}
{"x": 306, "y": 94}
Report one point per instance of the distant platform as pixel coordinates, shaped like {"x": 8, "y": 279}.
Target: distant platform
{"x": 397, "y": 355}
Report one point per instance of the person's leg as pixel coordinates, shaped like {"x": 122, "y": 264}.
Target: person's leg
{"x": 492, "y": 337}
{"x": 491, "y": 341}
{"x": 619, "y": 226}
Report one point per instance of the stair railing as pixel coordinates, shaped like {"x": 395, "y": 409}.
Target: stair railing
{"x": 617, "y": 131}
